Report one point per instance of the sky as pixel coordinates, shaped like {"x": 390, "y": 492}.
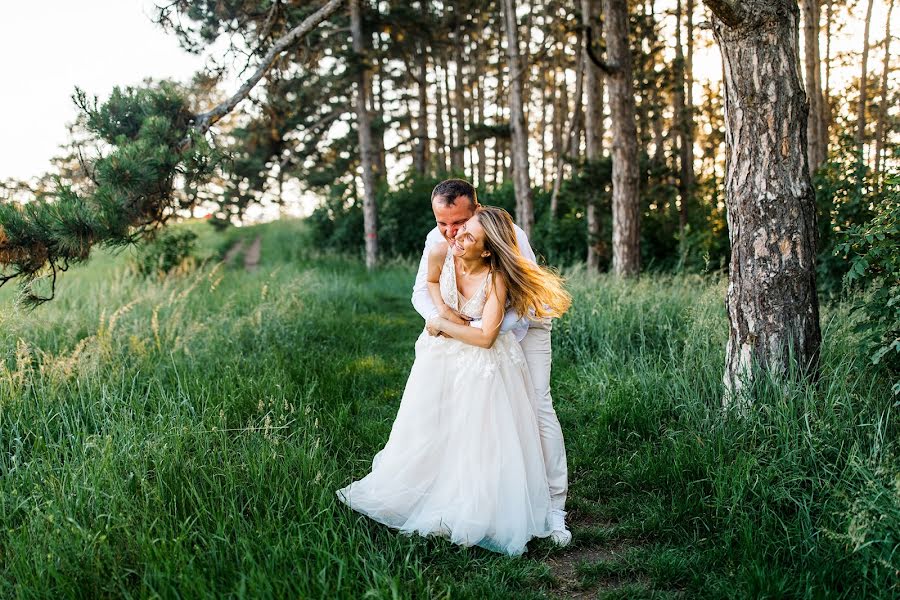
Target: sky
{"x": 49, "y": 47}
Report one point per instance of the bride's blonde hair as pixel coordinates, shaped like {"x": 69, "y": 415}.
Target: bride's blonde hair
{"x": 529, "y": 286}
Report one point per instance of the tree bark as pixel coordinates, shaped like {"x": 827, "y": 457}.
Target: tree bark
{"x": 773, "y": 309}
{"x": 625, "y": 200}
{"x": 420, "y": 148}
{"x": 378, "y": 108}
{"x": 439, "y": 135}
{"x": 364, "y": 131}
{"x": 479, "y": 105}
{"x": 826, "y": 92}
{"x": 593, "y": 131}
{"x": 457, "y": 154}
{"x": 863, "y": 88}
{"x": 684, "y": 121}
{"x": 521, "y": 180}
{"x": 813, "y": 63}
{"x": 571, "y": 142}
{"x": 880, "y": 131}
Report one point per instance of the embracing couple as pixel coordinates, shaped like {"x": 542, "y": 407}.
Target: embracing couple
{"x": 476, "y": 452}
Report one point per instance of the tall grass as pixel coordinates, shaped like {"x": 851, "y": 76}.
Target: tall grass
{"x": 184, "y": 437}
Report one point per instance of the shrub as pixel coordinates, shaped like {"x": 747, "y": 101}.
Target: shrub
{"x": 170, "y": 249}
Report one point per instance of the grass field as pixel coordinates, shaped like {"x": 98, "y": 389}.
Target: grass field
{"x": 184, "y": 438}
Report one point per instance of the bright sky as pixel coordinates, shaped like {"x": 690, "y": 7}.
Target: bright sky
{"x": 49, "y": 47}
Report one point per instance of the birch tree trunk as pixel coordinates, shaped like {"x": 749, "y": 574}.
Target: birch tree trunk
{"x": 625, "y": 200}
{"x": 880, "y": 133}
{"x": 521, "y": 180}
{"x": 773, "y": 309}
{"x": 364, "y": 131}
{"x": 593, "y": 130}
{"x": 813, "y": 64}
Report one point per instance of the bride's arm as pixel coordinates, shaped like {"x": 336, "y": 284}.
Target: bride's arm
{"x": 436, "y": 258}
{"x": 491, "y": 319}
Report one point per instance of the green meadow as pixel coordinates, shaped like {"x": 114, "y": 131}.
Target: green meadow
{"x": 182, "y": 437}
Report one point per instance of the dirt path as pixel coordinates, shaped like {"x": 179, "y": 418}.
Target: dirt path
{"x": 564, "y": 565}
{"x": 233, "y": 252}
{"x": 254, "y": 252}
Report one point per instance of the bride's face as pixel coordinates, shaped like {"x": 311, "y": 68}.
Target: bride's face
{"x": 469, "y": 241}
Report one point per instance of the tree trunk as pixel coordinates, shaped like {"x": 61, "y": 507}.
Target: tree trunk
{"x": 773, "y": 309}
{"x": 593, "y": 131}
{"x": 478, "y": 79}
{"x": 447, "y": 103}
{"x": 457, "y": 154}
{"x": 546, "y": 98}
{"x": 379, "y": 166}
{"x": 625, "y": 200}
{"x": 880, "y": 132}
{"x": 420, "y": 152}
{"x": 570, "y": 143}
{"x": 521, "y": 180}
{"x": 364, "y": 130}
{"x": 439, "y": 136}
{"x": 826, "y": 92}
{"x": 684, "y": 121}
{"x": 813, "y": 63}
{"x": 863, "y": 88}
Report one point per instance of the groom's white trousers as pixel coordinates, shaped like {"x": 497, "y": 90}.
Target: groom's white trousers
{"x": 537, "y": 350}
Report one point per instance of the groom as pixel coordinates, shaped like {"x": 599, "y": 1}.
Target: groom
{"x": 454, "y": 202}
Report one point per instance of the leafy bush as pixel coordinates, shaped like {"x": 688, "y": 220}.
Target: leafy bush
{"x": 170, "y": 249}
{"x": 871, "y": 249}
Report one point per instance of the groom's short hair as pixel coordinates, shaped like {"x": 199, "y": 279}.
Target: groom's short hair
{"x": 449, "y": 190}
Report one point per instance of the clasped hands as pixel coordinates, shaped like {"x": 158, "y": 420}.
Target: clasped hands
{"x": 446, "y": 315}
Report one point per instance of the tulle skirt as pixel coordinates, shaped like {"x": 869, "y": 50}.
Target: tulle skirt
{"x": 463, "y": 459}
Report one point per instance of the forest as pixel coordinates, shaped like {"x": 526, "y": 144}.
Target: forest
{"x": 716, "y": 180}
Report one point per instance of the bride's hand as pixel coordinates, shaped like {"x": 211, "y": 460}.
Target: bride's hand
{"x": 433, "y": 326}
{"x": 455, "y": 316}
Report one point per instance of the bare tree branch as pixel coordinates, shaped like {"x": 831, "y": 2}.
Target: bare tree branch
{"x": 208, "y": 119}
{"x": 607, "y": 68}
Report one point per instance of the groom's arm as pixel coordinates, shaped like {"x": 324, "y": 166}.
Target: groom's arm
{"x": 421, "y": 299}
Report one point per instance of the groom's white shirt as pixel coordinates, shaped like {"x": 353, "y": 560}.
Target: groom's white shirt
{"x": 423, "y": 304}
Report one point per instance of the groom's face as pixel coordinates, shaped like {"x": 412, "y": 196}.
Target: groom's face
{"x": 450, "y": 218}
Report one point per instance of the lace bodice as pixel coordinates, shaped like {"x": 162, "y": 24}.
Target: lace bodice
{"x": 474, "y": 306}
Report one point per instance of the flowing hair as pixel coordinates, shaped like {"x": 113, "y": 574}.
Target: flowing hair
{"x": 530, "y": 287}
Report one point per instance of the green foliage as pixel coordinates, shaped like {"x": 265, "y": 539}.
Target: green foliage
{"x": 874, "y": 265}
{"x": 168, "y": 250}
{"x": 840, "y": 184}
{"x": 132, "y": 191}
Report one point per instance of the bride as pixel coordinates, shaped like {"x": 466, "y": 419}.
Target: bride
{"x": 463, "y": 460}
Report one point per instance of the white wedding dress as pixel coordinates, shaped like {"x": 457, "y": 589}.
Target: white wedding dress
{"x": 464, "y": 458}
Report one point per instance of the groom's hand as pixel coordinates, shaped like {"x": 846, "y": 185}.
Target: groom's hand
{"x": 455, "y": 316}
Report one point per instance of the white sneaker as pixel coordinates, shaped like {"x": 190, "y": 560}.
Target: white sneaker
{"x": 560, "y": 536}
